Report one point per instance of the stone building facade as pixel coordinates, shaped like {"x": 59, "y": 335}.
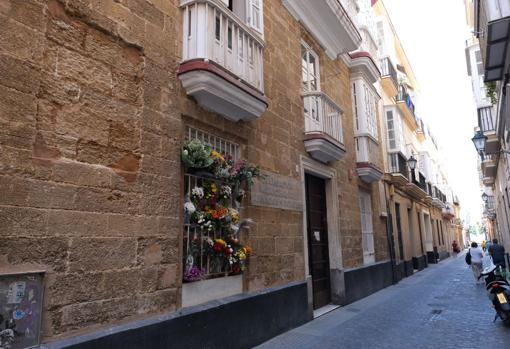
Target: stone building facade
{"x": 96, "y": 101}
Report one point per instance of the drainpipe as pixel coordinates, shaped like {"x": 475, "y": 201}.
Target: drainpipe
{"x": 391, "y": 242}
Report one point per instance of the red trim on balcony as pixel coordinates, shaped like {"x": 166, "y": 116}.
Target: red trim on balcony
{"x": 364, "y": 54}
{"x": 325, "y": 137}
{"x": 212, "y": 67}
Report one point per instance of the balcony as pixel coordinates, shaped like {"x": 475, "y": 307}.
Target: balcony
{"x": 489, "y": 165}
{"x": 323, "y": 127}
{"x": 448, "y": 212}
{"x": 406, "y": 106}
{"x": 418, "y": 186}
{"x": 397, "y": 168}
{"x": 438, "y": 198}
{"x": 362, "y": 64}
{"x": 493, "y": 20}
{"x": 222, "y": 66}
{"x": 389, "y": 79}
{"x": 366, "y": 159}
{"x": 328, "y": 22}
{"x": 420, "y": 132}
{"x": 487, "y": 124}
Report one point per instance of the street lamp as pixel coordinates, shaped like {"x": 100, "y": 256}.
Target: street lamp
{"x": 479, "y": 140}
{"x": 485, "y": 197}
{"x": 411, "y": 162}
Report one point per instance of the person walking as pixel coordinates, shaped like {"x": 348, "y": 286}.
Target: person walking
{"x": 497, "y": 252}
{"x": 455, "y": 248}
{"x": 476, "y": 260}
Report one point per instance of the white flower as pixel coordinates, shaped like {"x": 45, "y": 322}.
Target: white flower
{"x": 189, "y": 208}
{"x": 197, "y": 192}
{"x": 225, "y": 191}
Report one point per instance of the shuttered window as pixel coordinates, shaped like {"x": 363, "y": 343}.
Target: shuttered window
{"x": 367, "y": 229}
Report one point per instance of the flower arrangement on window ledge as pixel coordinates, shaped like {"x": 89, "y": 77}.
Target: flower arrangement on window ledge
{"x": 212, "y": 209}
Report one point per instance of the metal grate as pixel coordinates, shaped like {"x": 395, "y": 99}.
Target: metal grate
{"x": 194, "y": 236}
{"x": 219, "y": 144}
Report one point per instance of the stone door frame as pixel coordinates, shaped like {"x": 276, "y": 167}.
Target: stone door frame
{"x": 329, "y": 174}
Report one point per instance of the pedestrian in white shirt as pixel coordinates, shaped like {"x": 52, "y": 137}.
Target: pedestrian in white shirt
{"x": 476, "y": 260}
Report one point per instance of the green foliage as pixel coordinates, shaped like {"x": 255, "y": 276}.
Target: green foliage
{"x": 490, "y": 88}
{"x": 196, "y": 154}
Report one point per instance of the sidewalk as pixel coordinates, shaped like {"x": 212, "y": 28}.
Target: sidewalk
{"x": 439, "y": 307}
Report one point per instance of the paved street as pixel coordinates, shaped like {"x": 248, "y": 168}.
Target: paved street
{"x": 440, "y": 307}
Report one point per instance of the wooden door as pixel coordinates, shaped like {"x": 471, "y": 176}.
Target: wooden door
{"x": 318, "y": 252}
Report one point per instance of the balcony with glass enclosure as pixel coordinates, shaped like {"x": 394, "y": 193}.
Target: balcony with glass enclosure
{"x": 367, "y": 158}
{"x": 222, "y": 67}
{"x": 323, "y": 138}
{"x": 487, "y": 124}
{"x": 328, "y": 22}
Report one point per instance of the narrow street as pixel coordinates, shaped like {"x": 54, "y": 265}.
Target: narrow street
{"x": 439, "y": 307}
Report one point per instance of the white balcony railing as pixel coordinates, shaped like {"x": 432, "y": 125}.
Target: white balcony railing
{"x": 366, "y": 150}
{"x": 213, "y": 32}
{"x": 323, "y": 115}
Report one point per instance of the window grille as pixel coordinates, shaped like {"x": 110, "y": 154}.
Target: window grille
{"x": 194, "y": 236}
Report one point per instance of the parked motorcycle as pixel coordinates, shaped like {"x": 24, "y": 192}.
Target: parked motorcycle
{"x": 498, "y": 290}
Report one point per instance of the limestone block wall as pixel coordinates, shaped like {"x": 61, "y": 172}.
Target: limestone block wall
{"x": 92, "y": 117}
{"x": 89, "y": 164}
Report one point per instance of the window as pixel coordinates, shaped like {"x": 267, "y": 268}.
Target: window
{"x": 255, "y": 14}
{"x": 370, "y": 104}
{"x": 355, "y": 104}
{"x": 479, "y": 63}
{"x": 192, "y": 233}
{"x": 311, "y": 81}
{"x": 394, "y": 129}
{"x": 367, "y": 230}
{"x": 380, "y": 36}
{"x": 310, "y": 69}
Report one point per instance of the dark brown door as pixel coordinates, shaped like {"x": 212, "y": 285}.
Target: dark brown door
{"x": 318, "y": 254}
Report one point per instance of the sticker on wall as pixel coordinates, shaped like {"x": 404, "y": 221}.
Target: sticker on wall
{"x": 20, "y": 310}
{"x": 16, "y": 292}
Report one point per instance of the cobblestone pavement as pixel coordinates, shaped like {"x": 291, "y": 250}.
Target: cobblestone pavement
{"x": 439, "y": 307}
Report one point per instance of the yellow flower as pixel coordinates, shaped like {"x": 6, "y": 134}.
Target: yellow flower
{"x": 217, "y": 156}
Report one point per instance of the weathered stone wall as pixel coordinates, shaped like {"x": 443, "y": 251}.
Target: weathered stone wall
{"x": 89, "y": 165}
{"x": 92, "y": 117}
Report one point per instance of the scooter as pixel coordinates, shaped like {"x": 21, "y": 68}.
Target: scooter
{"x": 498, "y": 290}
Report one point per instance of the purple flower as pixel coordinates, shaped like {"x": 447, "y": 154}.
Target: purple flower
{"x": 193, "y": 274}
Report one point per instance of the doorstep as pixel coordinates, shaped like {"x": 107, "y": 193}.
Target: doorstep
{"x": 324, "y": 310}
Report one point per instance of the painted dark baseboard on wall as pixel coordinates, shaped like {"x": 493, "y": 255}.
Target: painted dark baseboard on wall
{"x": 420, "y": 262}
{"x": 241, "y": 321}
{"x": 431, "y": 257}
{"x": 408, "y": 268}
{"x": 364, "y": 281}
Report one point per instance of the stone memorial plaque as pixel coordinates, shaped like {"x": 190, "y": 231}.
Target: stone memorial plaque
{"x": 277, "y": 191}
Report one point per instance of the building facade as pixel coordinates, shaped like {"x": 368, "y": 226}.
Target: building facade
{"x": 99, "y": 240}
{"x": 489, "y": 83}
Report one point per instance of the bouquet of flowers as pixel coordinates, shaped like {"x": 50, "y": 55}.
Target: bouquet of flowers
{"x": 196, "y": 155}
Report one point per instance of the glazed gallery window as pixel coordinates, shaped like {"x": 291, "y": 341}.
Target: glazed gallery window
{"x": 310, "y": 69}
{"x": 364, "y": 104}
{"x": 394, "y": 129}
{"x": 311, "y": 81}
{"x": 367, "y": 230}
{"x": 249, "y": 11}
